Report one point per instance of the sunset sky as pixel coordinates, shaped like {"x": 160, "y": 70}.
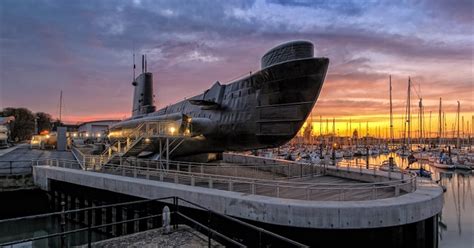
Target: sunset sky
{"x": 85, "y": 49}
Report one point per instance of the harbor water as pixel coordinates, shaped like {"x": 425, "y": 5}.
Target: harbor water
{"x": 456, "y": 223}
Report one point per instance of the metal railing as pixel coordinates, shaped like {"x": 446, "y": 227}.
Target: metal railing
{"x": 21, "y": 167}
{"x": 207, "y": 223}
{"x": 148, "y": 129}
{"x": 283, "y": 188}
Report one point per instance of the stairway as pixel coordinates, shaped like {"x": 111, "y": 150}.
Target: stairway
{"x": 141, "y": 139}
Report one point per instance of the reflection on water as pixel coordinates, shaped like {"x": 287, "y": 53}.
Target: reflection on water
{"x": 457, "y": 219}
{"x": 25, "y": 229}
{"x": 456, "y": 226}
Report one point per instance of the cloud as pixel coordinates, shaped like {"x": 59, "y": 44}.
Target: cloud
{"x": 85, "y": 48}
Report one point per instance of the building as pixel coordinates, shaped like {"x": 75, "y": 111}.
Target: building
{"x": 94, "y": 129}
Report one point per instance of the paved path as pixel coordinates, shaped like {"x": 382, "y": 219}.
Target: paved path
{"x": 19, "y": 159}
{"x": 7, "y": 150}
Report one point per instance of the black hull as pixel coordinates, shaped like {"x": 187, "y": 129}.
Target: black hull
{"x": 263, "y": 110}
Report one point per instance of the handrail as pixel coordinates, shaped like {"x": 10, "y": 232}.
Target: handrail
{"x": 222, "y": 182}
{"x": 251, "y": 179}
{"x": 175, "y": 204}
{"x": 207, "y": 175}
{"x": 244, "y": 223}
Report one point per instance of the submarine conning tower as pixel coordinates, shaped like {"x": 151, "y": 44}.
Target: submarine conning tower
{"x": 143, "y": 98}
{"x": 288, "y": 51}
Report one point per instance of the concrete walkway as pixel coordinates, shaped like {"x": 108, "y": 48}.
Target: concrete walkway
{"x": 422, "y": 204}
{"x": 10, "y": 149}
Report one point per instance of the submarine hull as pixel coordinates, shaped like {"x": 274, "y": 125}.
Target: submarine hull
{"x": 265, "y": 109}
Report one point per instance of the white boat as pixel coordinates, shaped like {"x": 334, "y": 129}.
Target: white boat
{"x": 385, "y": 166}
{"x": 339, "y": 154}
{"x": 443, "y": 164}
{"x": 463, "y": 163}
{"x": 374, "y": 151}
{"x": 421, "y": 155}
{"x": 347, "y": 153}
{"x": 403, "y": 152}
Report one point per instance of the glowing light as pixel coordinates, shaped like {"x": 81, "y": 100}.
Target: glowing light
{"x": 74, "y": 134}
{"x": 98, "y": 134}
{"x": 172, "y": 130}
{"x": 47, "y": 136}
{"x": 147, "y": 140}
{"x": 87, "y": 135}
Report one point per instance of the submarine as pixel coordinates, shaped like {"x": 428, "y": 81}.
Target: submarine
{"x": 264, "y": 109}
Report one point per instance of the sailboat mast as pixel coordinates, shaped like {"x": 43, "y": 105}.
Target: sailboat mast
{"x": 409, "y": 114}
{"x": 391, "y": 112}
{"x": 440, "y": 128}
{"x": 429, "y": 131}
{"x": 457, "y": 137}
{"x": 420, "y": 121}
{"x": 350, "y": 132}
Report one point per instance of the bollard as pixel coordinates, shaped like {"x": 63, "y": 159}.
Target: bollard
{"x": 166, "y": 220}
{"x": 230, "y": 185}
{"x": 210, "y": 183}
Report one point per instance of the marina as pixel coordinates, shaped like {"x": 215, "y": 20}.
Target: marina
{"x": 236, "y": 124}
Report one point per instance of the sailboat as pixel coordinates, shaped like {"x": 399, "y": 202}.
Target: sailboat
{"x": 406, "y": 147}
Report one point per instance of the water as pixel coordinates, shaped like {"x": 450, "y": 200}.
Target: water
{"x": 33, "y": 202}
{"x": 25, "y": 229}
{"x": 456, "y": 226}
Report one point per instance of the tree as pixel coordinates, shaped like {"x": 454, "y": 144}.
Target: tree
{"x": 24, "y": 124}
{"x": 43, "y": 121}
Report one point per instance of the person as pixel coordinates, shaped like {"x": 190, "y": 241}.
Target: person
{"x": 444, "y": 158}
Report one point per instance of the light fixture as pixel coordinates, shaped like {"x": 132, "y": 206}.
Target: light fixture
{"x": 172, "y": 129}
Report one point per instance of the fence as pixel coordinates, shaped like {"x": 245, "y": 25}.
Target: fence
{"x": 208, "y": 222}
{"x": 283, "y": 188}
{"x": 20, "y": 167}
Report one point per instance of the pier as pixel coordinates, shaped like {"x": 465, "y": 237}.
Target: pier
{"x": 322, "y": 199}
{"x": 329, "y": 197}
{"x": 275, "y": 193}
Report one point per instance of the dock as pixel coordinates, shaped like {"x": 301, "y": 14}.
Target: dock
{"x": 273, "y": 192}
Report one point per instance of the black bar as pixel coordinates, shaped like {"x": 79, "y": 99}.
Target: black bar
{"x": 210, "y": 230}
{"x": 85, "y": 209}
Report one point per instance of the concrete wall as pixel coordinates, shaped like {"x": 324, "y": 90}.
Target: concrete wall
{"x": 425, "y": 202}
